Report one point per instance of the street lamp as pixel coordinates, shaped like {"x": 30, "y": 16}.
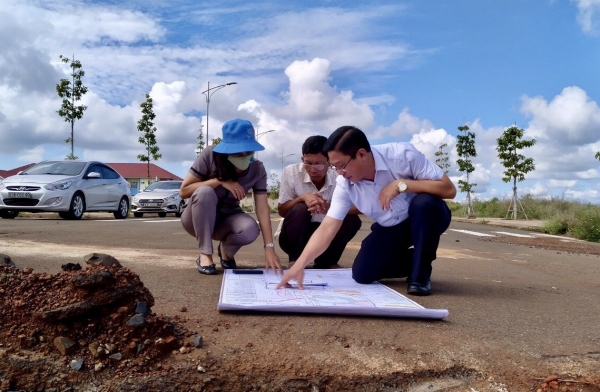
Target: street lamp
{"x": 282, "y": 158}
{"x": 208, "y": 93}
{"x": 258, "y": 135}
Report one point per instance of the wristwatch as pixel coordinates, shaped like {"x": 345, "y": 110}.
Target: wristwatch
{"x": 269, "y": 245}
{"x": 402, "y": 186}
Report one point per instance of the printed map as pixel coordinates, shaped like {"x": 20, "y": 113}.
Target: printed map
{"x": 325, "y": 291}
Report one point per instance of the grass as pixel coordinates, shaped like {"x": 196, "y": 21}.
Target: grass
{"x": 574, "y": 218}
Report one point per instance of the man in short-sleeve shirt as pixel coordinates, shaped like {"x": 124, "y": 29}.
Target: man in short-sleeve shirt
{"x": 304, "y": 198}
{"x": 402, "y": 191}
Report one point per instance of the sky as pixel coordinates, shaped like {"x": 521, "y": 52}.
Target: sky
{"x": 412, "y": 70}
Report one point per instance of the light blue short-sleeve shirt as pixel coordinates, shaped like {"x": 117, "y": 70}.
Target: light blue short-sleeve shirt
{"x": 392, "y": 162}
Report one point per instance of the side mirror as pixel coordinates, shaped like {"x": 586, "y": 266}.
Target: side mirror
{"x": 93, "y": 175}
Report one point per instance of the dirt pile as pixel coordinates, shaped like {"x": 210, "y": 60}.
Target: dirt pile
{"x": 93, "y": 320}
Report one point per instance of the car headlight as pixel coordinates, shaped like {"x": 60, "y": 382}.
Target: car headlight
{"x": 1, "y": 185}
{"x": 136, "y": 198}
{"x": 172, "y": 197}
{"x": 59, "y": 185}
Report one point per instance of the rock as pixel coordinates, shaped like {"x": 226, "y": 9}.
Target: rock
{"x": 76, "y": 364}
{"x": 64, "y": 345}
{"x": 6, "y": 260}
{"x": 70, "y": 267}
{"x": 98, "y": 279}
{"x": 116, "y": 356}
{"x": 98, "y": 367}
{"x": 136, "y": 321}
{"x": 101, "y": 258}
{"x": 142, "y": 308}
{"x": 84, "y": 307}
{"x": 198, "y": 341}
{"x": 95, "y": 349}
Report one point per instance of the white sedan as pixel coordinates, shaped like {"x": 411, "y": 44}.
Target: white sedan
{"x": 69, "y": 187}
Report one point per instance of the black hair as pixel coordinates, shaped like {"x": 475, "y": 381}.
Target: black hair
{"x": 314, "y": 145}
{"x": 224, "y": 170}
{"x": 347, "y": 140}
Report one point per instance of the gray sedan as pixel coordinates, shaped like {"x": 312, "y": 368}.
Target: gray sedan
{"x": 161, "y": 197}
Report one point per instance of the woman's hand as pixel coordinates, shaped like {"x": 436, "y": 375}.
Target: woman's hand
{"x": 295, "y": 273}
{"x": 272, "y": 261}
{"x": 235, "y": 188}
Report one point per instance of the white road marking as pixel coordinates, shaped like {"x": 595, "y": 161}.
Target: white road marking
{"x": 163, "y": 221}
{"x": 474, "y": 233}
{"x": 514, "y": 234}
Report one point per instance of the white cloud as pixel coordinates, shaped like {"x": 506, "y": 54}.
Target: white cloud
{"x": 36, "y": 154}
{"x": 590, "y": 174}
{"x": 561, "y": 183}
{"x": 588, "y": 16}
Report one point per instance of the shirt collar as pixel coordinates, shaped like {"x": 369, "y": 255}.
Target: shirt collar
{"x": 329, "y": 177}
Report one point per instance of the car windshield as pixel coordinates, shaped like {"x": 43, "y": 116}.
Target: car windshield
{"x": 172, "y": 185}
{"x": 65, "y": 168}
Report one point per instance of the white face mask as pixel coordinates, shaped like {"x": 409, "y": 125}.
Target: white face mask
{"x": 241, "y": 163}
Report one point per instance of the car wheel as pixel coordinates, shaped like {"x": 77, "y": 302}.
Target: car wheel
{"x": 138, "y": 214}
{"x": 7, "y": 214}
{"x": 178, "y": 213}
{"x": 77, "y": 207}
{"x": 123, "y": 210}
{"x": 162, "y": 214}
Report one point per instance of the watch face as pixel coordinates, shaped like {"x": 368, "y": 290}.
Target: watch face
{"x": 402, "y": 186}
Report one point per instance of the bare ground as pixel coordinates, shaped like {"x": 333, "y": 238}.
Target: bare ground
{"x": 242, "y": 353}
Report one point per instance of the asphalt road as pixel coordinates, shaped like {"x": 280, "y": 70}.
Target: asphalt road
{"x": 512, "y": 308}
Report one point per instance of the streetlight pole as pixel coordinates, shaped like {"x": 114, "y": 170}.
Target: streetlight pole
{"x": 258, "y": 135}
{"x": 208, "y": 93}
{"x": 282, "y": 158}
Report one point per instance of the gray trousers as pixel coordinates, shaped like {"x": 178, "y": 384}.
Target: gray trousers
{"x": 202, "y": 220}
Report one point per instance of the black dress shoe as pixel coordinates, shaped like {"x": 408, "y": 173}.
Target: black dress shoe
{"x": 226, "y": 264}
{"x": 206, "y": 270}
{"x": 415, "y": 288}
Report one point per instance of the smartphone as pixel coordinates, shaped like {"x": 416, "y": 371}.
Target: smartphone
{"x": 248, "y": 271}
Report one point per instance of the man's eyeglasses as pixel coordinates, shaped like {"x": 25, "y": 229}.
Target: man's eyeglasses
{"x": 343, "y": 168}
{"x": 316, "y": 166}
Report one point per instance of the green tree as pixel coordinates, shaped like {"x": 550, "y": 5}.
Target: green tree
{"x": 515, "y": 163}
{"x": 71, "y": 92}
{"x": 146, "y": 125}
{"x": 274, "y": 187}
{"x": 598, "y": 155}
{"x": 216, "y": 141}
{"x": 200, "y": 138}
{"x": 442, "y": 158}
{"x": 465, "y": 147}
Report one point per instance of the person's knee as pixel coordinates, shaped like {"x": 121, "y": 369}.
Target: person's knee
{"x": 354, "y": 223}
{"x": 362, "y": 279}
{"x": 300, "y": 210}
{"x": 204, "y": 193}
{"x": 362, "y": 274}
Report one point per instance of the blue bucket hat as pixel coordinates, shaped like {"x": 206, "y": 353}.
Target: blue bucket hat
{"x": 238, "y": 136}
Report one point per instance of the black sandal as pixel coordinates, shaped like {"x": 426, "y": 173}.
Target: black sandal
{"x": 206, "y": 269}
{"x": 226, "y": 264}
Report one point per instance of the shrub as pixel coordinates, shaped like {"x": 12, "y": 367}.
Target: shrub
{"x": 556, "y": 225}
{"x": 587, "y": 224}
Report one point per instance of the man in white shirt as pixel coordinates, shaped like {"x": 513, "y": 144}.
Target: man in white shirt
{"x": 304, "y": 198}
{"x": 402, "y": 191}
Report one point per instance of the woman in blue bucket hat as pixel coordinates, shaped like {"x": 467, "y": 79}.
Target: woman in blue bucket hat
{"x": 219, "y": 178}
